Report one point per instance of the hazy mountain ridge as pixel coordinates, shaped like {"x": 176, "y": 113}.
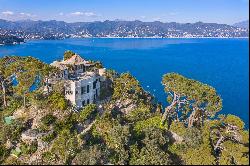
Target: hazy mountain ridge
{"x": 29, "y": 29}
{"x": 242, "y": 24}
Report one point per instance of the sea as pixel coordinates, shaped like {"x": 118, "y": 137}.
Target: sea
{"x": 221, "y": 63}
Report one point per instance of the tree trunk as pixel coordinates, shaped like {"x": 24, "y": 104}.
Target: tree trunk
{"x": 168, "y": 109}
{"x": 24, "y": 100}
{"x": 4, "y": 94}
{"x": 3, "y": 81}
{"x": 177, "y": 116}
{"x": 191, "y": 119}
{"x": 47, "y": 86}
{"x": 202, "y": 118}
{"x": 219, "y": 142}
{"x": 177, "y": 110}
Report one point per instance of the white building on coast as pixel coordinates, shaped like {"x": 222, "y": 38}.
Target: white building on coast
{"x": 82, "y": 81}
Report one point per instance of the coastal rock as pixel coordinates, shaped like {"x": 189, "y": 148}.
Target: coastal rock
{"x": 175, "y": 138}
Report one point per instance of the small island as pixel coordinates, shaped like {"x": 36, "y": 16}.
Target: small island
{"x": 77, "y": 112}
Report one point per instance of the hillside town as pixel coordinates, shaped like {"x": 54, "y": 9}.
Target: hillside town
{"x": 10, "y": 40}
{"x": 52, "y": 30}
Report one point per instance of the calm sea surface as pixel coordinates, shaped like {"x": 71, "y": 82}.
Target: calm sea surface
{"x": 221, "y": 63}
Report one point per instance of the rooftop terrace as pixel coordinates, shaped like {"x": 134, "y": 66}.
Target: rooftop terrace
{"x": 85, "y": 76}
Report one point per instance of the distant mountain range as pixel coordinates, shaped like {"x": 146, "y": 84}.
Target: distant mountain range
{"x": 29, "y": 29}
{"x": 242, "y": 24}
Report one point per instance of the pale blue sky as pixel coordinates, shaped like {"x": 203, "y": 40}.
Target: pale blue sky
{"x": 219, "y": 11}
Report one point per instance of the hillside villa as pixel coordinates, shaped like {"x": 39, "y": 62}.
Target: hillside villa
{"x": 82, "y": 81}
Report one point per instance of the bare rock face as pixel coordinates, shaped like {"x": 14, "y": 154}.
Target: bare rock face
{"x": 34, "y": 115}
{"x": 128, "y": 109}
{"x": 61, "y": 114}
{"x": 175, "y": 138}
{"x": 128, "y": 105}
{"x": 9, "y": 144}
{"x": 124, "y": 106}
{"x": 31, "y": 113}
{"x": 36, "y": 158}
{"x": 42, "y": 145}
{"x": 20, "y": 113}
{"x": 30, "y": 135}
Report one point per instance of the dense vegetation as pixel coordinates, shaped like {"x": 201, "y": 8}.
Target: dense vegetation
{"x": 129, "y": 127}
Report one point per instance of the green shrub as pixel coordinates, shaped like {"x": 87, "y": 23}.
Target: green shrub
{"x": 87, "y": 112}
{"x": 29, "y": 149}
{"x": 68, "y": 54}
{"x": 38, "y": 99}
{"x": 148, "y": 123}
{"x": 57, "y": 101}
{"x": 48, "y": 156}
{"x": 3, "y": 153}
{"x": 13, "y": 105}
{"x": 12, "y": 131}
{"x": 48, "y": 119}
{"x": 48, "y": 138}
{"x": 140, "y": 113}
{"x": 67, "y": 123}
{"x": 17, "y": 152}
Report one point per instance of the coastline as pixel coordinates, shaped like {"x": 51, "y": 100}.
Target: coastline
{"x": 145, "y": 38}
{"x": 27, "y": 40}
{"x": 13, "y": 44}
{"x": 167, "y": 37}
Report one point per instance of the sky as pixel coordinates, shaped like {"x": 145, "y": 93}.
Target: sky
{"x": 183, "y": 11}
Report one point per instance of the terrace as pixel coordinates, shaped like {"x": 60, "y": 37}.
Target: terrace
{"x": 83, "y": 75}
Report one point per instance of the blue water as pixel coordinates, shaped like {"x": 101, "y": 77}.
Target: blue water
{"x": 221, "y": 63}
